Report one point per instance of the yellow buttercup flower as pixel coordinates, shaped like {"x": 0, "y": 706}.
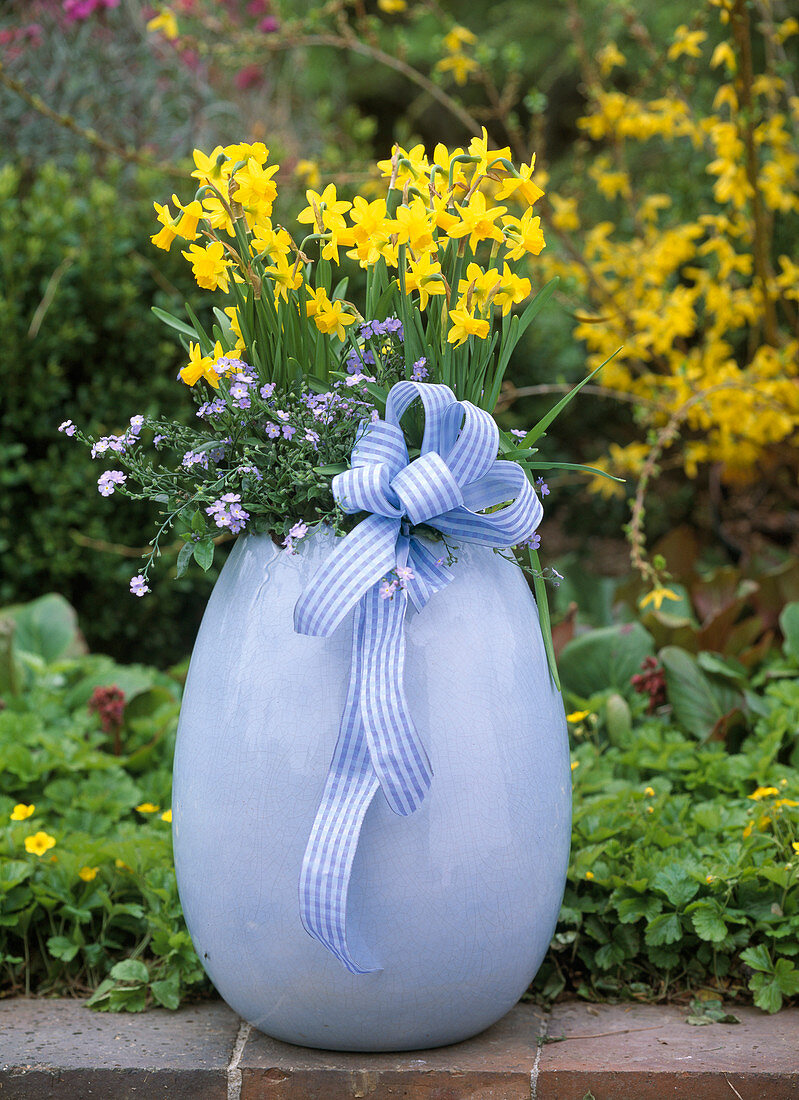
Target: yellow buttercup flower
{"x": 392, "y": 7}
{"x": 657, "y": 596}
{"x": 575, "y": 765}
{"x": 589, "y": 875}
{"x": 167, "y": 816}
{"x": 577, "y": 716}
{"x": 147, "y": 808}
{"x": 121, "y": 865}
{"x": 763, "y": 792}
{"x": 21, "y": 811}
{"x": 795, "y": 845}
{"x": 88, "y": 873}
{"x": 39, "y": 843}
{"x": 649, "y": 792}
{"x": 748, "y": 830}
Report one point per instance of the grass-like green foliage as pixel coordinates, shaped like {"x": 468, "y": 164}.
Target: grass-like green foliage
{"x": 679, "y": 881}
{"x": 78, "y": 339}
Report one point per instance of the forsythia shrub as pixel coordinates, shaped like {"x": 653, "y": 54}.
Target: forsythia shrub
{"x": 698, "y": 290}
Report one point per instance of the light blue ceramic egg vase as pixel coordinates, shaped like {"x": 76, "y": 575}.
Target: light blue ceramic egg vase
{"x": 456, "y": 903}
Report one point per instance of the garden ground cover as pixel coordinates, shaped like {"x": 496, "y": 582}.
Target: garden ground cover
{"x": 684, "y": 875}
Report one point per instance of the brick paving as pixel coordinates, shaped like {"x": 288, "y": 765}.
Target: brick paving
{"x": 60, "y": 1049}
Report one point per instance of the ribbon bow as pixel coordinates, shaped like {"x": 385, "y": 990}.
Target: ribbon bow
{"x": 456, "y": 477}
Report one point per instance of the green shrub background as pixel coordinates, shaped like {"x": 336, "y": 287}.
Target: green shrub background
{"x": 78, "y": 341}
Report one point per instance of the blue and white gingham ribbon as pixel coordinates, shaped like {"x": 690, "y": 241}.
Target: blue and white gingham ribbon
{"x": 456, "y": 477}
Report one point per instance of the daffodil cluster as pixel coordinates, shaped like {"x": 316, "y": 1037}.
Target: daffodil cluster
{"x": 291, "y": 368}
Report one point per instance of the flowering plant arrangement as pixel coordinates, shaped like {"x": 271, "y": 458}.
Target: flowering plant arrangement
{"x": 291, "y": 369}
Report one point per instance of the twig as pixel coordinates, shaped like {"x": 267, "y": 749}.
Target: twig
{"x": 69, "y": 123}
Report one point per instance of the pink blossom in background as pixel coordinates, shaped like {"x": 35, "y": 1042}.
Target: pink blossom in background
{"x": 269, "y": 25}
{"x": 249, "y": 77}
{"x": 76, "y": 10}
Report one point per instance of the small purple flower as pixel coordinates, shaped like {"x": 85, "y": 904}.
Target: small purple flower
{"x": 311, "y": 437}
{"x": 542, "y": 487}
{"x": 267, "y": 390}
{"x": 138, "y": 585}
{"x": 136, "y": 424}
{"x": 387, "y": 589}
{"x": 420, "y": 371}
{"x": 272, "y": 430}
{"x": 532, "y": 543}
{"x": 68, "y": 428}
{"x": 288, "y": 431}
{"x": 299, "y": 530}
{"x": 520, "y": 433}
{"x": 158, "y": 440}
{"x": 211, "y": 408}
{"x": 251, "y": 470}
{"x": 106, "y": 482}
{"x": 404, "y": 574}
{"x": 193, "y": 458}
{"x": 281, "y": 414}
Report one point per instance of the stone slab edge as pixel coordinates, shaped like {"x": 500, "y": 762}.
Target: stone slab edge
{"x": 59, "y": 1049}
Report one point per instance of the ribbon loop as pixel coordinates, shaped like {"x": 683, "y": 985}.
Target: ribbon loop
{"x": 448, "y": 487}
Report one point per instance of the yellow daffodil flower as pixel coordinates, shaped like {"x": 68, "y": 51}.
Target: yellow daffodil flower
{"x": 477, "y": 221}
{"x": 190, "y": 215}
{"x": 21, "y": 812}
{"x": 201, "y": 366}
{"x": 209, "y": 265}
{"x": 325, "y": 211}
{"x": 166, "y": 235}
{"x": 425, "y": 276}
{"x": 215, "y": 167}
{"x": 256, "y": 189}
{"x": 286, "y": 274}
{"x": 330, "y": 318}
{"x": 523, "y": 236}
{"x": 465, "y": 325}
{"x": 39, "y": 843}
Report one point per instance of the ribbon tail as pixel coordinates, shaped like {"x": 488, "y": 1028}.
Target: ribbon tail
{"x": 349, "y": 789}
{"x": 397, "y": 754}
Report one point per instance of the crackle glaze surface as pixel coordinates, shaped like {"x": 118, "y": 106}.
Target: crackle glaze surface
{"x": 456, "y": 903}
